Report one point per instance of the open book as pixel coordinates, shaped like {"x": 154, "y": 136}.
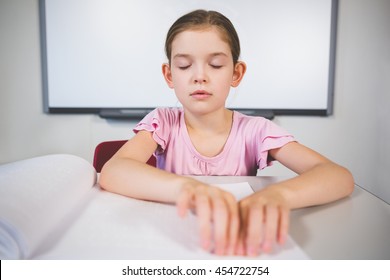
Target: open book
{"x": 52, "y": 208}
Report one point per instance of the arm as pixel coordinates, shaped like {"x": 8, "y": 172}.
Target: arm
{"x": 127, "y": 173}
{"x": 319, "y": 181}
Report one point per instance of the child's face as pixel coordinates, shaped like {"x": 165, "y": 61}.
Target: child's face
{"x": 201, "y": 70}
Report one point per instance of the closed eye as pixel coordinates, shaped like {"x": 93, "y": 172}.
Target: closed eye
{"x": 216, "y": 66}
{"x": 184, "y": 67}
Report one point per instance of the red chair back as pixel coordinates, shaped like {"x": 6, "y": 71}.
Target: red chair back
{"x": 105, "y": 150}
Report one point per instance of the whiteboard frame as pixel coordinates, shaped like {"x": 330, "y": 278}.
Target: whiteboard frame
{"x": 139, "y": 112}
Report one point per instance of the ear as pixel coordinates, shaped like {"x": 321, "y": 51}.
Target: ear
{"x": 166, "y": 70}
{"x": 238, "y": 74}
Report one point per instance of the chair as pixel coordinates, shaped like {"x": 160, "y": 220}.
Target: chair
{"x": 105, "y": 150}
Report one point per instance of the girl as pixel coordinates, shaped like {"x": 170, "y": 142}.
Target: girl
{"x": 205, "y": 138}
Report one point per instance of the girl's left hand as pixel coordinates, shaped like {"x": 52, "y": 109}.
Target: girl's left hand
{"x": 264, "y": 220}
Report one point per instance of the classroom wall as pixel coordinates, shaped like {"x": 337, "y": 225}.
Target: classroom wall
{"x": 357, "y": 135}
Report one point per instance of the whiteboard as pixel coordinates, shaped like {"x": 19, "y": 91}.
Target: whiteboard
{"x": 107, "y": 54}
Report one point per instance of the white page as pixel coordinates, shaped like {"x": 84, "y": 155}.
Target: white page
{"x": 117, "y": 227}
{"x": 36, "y": 196}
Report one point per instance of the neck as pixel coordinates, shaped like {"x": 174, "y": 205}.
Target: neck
{"x": 219, "y": 121}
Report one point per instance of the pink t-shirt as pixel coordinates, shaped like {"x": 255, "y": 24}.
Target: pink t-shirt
{"x": 245, "y": 150}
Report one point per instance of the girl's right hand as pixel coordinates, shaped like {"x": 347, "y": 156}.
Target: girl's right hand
{"x": 218, "y": 216}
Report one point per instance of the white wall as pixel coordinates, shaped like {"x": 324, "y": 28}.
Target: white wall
{"x": 357, "y": 135}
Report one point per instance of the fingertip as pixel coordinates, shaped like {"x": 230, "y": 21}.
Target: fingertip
{"x": 252, "y": 251}
{"x": 231, "y": 250}
{"x": 282, "y": 239}
{"x": 267, "y": 247}
{"x": 240, "y": 250}
{"x": 206, "y": 244}
{"x": 182, "y": 212}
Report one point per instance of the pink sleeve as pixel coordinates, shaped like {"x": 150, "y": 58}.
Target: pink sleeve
{"x": 156, "y": 123}
{"x": 271, "y": 136}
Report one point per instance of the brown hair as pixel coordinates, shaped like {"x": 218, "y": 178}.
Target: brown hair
{"x": 199, "y": 19}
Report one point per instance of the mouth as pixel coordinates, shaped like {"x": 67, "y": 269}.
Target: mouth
{"x": 200, "y": 94}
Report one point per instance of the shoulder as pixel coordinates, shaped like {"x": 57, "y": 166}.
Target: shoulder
{"x": 259, "y": 126}
{"x": 250, "y": 122}
{"x": 159, "y": 118}
{"x": 166, "y": 114}
{"x": 163, "y": 115}
{"x": 245, "y": 119}
{"x": 160, "y": 122}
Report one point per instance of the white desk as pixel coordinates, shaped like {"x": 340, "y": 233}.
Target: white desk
{"x": 356, "y": 227}
{"x": 111, "y": 226}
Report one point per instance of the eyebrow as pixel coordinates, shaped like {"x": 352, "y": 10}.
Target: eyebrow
{"x": 179, "y": 55}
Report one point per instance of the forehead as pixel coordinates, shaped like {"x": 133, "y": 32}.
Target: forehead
{"x": 209, "y": 40}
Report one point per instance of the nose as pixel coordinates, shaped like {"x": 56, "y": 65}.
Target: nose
{"x": 200, "y": 81}
{"x": 200, "y": 76}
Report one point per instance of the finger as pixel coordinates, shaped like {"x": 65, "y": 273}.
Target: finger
{"x": 202, "y": 205}
{"x": 183, "y": 201}
{"x": 220, "y": 218}
{"x": 234, "y": 224}
{"x": 254, "y": 233}
{"x": 284, "y": 221}
{"x": 240, "y": 247}
{"x": 271, "y": 225}
{"x": 243, "y": 216}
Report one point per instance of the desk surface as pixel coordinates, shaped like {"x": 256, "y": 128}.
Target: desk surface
{"x": 111, "y": 226}
{"x": 356, "y": 227}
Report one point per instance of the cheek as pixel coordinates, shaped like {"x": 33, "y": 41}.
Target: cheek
{"x": 179, "y": 83}
{"x": 181, "y": 78}
{"x": 178, "y": 76}
{"x": 177, "y": 80}
{"x": 224, "y": 79}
